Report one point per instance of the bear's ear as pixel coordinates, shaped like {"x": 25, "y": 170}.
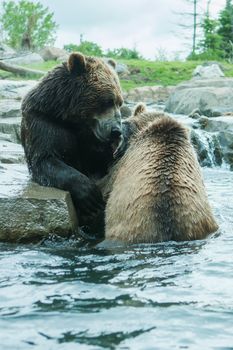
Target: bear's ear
{"x": 111, "y": 63}
{"x": 140, "y": 108}
{"x": 76, "y": 63}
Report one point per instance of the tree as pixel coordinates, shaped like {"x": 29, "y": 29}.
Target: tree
{"x": 124, "y": 53}
{"x": 190, "y": 22}
{"x": 86, "y": 47}
{"x": 27, "y": 23}
{"x": 226, "y": 29}
{"x": 210, "y": 45}
{"x": 194, "y": 26}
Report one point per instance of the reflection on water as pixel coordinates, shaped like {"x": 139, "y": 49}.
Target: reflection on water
{"x": 161, "y": 296}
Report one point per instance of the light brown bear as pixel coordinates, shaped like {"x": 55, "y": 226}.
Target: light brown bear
{"x": 156, "y": 191}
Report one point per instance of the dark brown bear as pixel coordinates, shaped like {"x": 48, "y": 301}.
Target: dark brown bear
{"x": 71, "y": 120}
{"x": 156, "y": 191}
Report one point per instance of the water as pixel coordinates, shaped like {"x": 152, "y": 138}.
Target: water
{"x": 161, "y": 296}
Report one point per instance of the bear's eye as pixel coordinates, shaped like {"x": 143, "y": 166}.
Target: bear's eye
{"x": 108, "y": 103}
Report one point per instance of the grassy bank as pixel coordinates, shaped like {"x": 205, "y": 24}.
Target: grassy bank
{"x": 163, "y": 73}
{"x": 144, "y": 72}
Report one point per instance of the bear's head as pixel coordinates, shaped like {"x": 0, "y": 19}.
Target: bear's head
{"x": 96, "y": 94}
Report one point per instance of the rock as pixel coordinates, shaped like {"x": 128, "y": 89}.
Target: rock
{"x": 50, "y": 53}
{"x": 29, "y": 212}
{"x": 11, "y": 126}
{"x": 226, "y": 141}
{"x": 122, "y": 69}
{"x": 10, "y": 109}
{"x": 25, "y": 59}
{"x": 208, "y": 72}
{"x": 10, "y": 89}
{"x": 195, "y": 114}
{"x": 210, "y": 96}
{"x": 223, "y": 123}
{"x": 6, "y": 51}
{"x": 148, "y": 94}
{"x": 10, "y": 152}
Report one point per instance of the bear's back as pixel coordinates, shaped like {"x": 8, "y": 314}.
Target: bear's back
{"x": 158, "y": 193}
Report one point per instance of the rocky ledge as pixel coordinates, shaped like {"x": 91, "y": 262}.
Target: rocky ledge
{"x": 149, "y": 94}
{"x": 28, "y": 212}
{"x": 213, "y": 97}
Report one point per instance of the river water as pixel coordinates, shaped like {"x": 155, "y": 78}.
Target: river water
{"x": 161, "y": 296}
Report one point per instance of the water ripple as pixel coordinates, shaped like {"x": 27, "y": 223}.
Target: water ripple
{"x": 161, "y": 296}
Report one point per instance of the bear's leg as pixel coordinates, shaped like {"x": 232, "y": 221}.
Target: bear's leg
{"x": 50, "y": 150}
{"x": 86, "y": 196}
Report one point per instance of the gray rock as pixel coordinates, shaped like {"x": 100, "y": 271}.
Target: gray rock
{"x": 10, "y": 109}
{"x": 223, "y": 123}
{"x": 148, "y": 94}
{"x": 50, "y": 53}
{"x": 122, "y": 69}
{"x": 29, "y": 212}
{"x": 25, "y": 59}
{"x": 10, "y": 89}
{"x": 213, "y": 95}
{"x": 10, "y": 152}
{"x": 11, "y": 126}
{"x": 6, "y": 51}
{"x": 195, "y": 114}
{"x": 208, "y": 72}
{"x": 226, "y": 141}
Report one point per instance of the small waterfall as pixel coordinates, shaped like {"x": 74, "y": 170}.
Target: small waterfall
{"x": 208, "y": 147}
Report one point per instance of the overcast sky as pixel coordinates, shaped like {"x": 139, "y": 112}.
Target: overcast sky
{"x": 150, "y": 25}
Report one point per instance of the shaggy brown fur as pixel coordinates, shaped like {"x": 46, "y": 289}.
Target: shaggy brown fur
{"x": 131, "y": 126}
{"x": 70, "y": 120}
{"x": 141, "y": 118}
{"x": 156, "y": 189}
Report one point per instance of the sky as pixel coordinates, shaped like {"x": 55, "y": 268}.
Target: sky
{"x": 152, "y": 26}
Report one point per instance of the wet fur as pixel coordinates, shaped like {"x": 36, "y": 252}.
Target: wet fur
{"x": 156, "y": 191}
{"x": 57, "y": 127}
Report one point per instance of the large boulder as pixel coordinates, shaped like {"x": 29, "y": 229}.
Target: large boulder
{"x": 10, "y": 152}
{"x": 223, "y": 123}
{"x": 50, "y": 53}
{"x": 148, "y": 94}
{"x": 10, "y": 108}
{"x": 208, "y": 71}
{"x": 10, "y": 89}
{"x": 25, "y": 59}
{"x": 6, "y": 51}
{"x": 11, "y": 126}
{"x": 214, "y": 95}
{"x": 29, "y": 212}
{"x": 122, "y": 69}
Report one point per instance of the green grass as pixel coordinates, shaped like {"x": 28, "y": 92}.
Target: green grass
{"x": 144, "y": 72}
{"x": 46, "y": 66}
{"x": 162, "y": 73}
